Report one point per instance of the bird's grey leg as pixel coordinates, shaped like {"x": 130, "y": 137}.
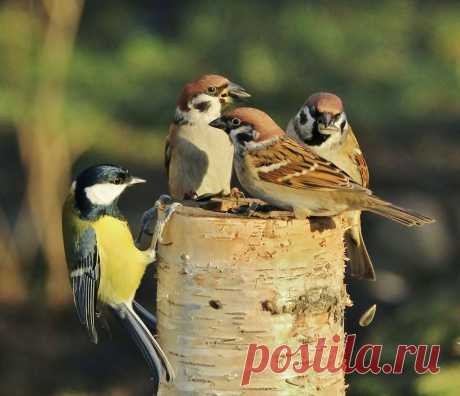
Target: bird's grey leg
{"x": 152, "y": 216}
{"x": 163, "y": 217}
{"x": 161, "y": 212}
{"x": 147, "y": 220}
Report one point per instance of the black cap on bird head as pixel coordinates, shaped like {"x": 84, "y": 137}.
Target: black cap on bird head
{"x": 101, "y": 185}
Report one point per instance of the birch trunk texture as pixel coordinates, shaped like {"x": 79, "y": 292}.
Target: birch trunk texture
{"x": 227, "y": 281}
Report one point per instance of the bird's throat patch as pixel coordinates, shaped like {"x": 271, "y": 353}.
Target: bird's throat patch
{"x": 317, "y": 138}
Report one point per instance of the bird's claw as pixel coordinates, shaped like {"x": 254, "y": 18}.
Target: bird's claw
{"x": 248, "y": 210}
{"x": 157, "y": 217}
{"x": 164, "y": 201}
{"x": 236, "y": 193}
{"x": 168, "y": 208}
{"x": 146, "y": 221}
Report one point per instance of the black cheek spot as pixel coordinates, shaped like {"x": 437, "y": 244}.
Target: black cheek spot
{"x": 244, "y": 137}
{"x": 343, "y": 125}
{"x": 303, "y": 118}
{"x": 203, "y": 106}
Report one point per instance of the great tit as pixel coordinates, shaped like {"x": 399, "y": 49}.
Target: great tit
{"x": 104, "y": 264}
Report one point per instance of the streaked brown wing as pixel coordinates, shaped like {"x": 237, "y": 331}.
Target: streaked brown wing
{"x": 299, "y": 167}
{"x": 358, "y": 159}
{"x": 363, "y": 169}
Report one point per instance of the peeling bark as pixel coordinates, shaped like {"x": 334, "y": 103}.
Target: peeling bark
{"x": 227, "y": 281}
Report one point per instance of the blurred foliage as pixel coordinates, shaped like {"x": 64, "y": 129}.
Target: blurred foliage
{"x": 392, "y": 62}
{"x": 446, "y": 383}
{"x": 395, "y": 63}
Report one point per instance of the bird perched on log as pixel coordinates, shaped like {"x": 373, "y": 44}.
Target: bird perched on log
{"x": 322, "y": 126}
{"x": 198, "y": 158}
{"x": 273, "y": 167}
{"x": 104, "y": 264}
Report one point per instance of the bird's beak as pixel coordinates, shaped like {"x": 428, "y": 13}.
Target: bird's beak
{"x": 218, "y": 123}
{"x": 136, "y": 180}
{"x": 236, "y": 91}
{"x": 325, "y": 119}
{"x": 325, "y": 124}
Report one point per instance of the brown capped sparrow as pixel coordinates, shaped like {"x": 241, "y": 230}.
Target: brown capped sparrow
{"x": 272, "y": 166}
{"x": 198, "y": 158}
{"x": 321, "y": 125}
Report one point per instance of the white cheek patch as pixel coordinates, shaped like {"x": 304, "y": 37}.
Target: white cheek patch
{"x": 104, "y": 193}
{"x": 240, "y": 145}
{"x": 237, "y": 131}
{"x": 305, "y": 130}
{"x": 342, "y": 123}
{"x": 194, "y": 115}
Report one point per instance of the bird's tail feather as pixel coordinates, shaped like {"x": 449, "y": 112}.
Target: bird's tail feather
{"x": 403, "y": 216}
{"x": 360, "y": 261}
{"x": 146, "y": 316}
{"x": 151, "y": 350}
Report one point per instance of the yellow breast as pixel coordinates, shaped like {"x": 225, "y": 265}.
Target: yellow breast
{"x": 122, "y": 264}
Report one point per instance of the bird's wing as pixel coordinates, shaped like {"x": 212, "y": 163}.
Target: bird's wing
{"x": 84, "y": 271}
{"x": 363, "y": 169}
{"x": 358, "y": 158}
{"x": 168, "y": 146}
{"x": 287, "y": 163}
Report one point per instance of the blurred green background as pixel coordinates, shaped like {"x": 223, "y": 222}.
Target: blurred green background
{"x": 96, "y": 81}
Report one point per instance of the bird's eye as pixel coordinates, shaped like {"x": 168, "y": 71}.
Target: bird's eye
{"x": 212, "y": 89}
{"x": 313, "y": 111}
{"x": 235, "y": 122}
{"x": 118, "y": 180}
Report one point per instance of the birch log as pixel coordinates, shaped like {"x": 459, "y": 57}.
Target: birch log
{"x": 227, "y": 281}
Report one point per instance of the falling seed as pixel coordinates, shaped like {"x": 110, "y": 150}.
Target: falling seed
{"x": 368, "y": 316}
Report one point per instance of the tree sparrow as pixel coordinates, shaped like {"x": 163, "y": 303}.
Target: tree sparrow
{"x": 322, "y": 126}
{"x": 272, "y": 166}
{"x": 198, "y": 158}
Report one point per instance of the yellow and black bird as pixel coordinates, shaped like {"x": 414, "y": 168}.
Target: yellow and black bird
{"x": 104, "y": 264}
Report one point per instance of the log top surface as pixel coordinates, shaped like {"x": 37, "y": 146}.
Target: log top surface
{"x": 232, "y": 208}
